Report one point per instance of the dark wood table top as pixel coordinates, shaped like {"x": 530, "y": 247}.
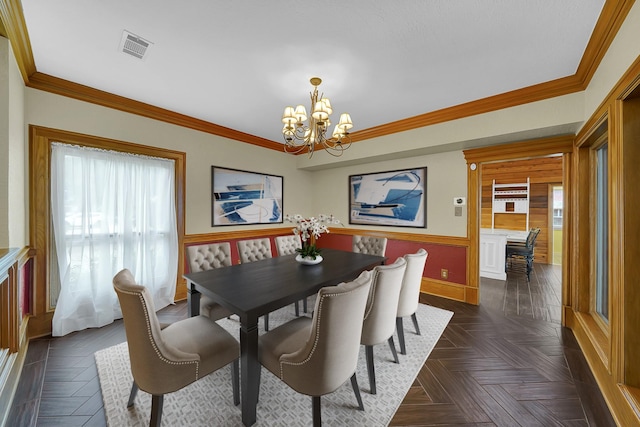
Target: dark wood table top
{"x": 261, "y": 287}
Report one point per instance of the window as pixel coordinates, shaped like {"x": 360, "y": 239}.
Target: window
{"x": 110, "y": 210}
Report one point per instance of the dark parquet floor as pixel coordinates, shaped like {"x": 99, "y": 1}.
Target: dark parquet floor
{"x": 507, "y": 362}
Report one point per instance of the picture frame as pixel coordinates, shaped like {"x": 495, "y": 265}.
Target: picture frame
{"x": 241, "y": 197}
{"x": 393, "y": 198}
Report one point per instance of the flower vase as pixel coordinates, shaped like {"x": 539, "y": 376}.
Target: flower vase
{"x": 309, "y": 260}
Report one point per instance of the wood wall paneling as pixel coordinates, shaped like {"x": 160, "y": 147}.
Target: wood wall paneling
{"x": 542, "y": 172}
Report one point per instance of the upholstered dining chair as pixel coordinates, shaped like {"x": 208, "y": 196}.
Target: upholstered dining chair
{"x": 410, "y": 293}
{"x": 207, "y": 257}
{"x": 287, "y": 245}
{"x": 369, "y": 245}
{"x": 315, "y": 356}
{"x": 255, "y": 250}
{"x": 164, "y": 360}
{"x": 380, "y": 313}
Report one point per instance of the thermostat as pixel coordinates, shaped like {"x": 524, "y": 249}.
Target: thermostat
{"x": 459, "y": 201}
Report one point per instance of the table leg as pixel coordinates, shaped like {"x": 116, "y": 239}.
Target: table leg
{"x": 193, "y": 300}
{"x": 250, "y": 369}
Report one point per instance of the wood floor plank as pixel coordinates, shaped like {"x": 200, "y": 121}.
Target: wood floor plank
{"x": 506, "y": 362}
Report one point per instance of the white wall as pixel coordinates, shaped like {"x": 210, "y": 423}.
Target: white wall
{"x": 203, "y": 150}
{"x": 446, "y": 179}
{"x": 13, "y": 204}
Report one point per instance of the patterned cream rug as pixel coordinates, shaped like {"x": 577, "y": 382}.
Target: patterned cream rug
{"x": 209, "y": 402}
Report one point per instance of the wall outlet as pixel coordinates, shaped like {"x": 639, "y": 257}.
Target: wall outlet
{"x": 444, "y": 273}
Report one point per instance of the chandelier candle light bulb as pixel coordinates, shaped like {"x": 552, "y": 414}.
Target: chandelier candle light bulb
{"x": 309, "y": 230}
{"x": 300, "y": 136}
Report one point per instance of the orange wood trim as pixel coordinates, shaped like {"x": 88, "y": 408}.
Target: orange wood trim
{"x": 84, "y": 93}
{"x": 40, "y": 139}
{"x": 450, "y": 290}
{"x": 521, "y": 150}
{"x": 16, "y": 27}
{"x": 609, "y": 22}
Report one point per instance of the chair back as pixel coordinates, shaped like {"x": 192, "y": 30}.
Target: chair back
{"x": 410, "y": 291}
{"x": 380, "y": 313}
{"x": 254, "y": 249}
{"x": 531, "y": 238}
{"x": 369, "y": 245}
{"x": 287, "y": 245}
{"x": 157, "y": 367}
{"x": 208, "y": 256}
{"x": 330, "y": 355}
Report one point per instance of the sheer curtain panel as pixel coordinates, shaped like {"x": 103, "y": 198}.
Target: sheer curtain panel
{"x": 110, "y": 211}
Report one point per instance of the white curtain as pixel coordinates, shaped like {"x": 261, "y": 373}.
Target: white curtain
{"x": 110, "y": 211}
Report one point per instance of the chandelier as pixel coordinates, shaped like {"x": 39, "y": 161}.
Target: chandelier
{"x": 300, "y": 136}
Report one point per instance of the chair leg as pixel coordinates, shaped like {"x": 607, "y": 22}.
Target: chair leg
{"x": 356, "y": 391}
{"x": 304, "y": 305}
{"x": 132, "y": 395}
{"x": 392, "y": 346}
{"x": 297, "y": 306}
{"x": 156, "y": 410}
{"x": 235, "y": 381}
{"x": 317, "y": 416}
{"x": 400, "y": 330}
{"x": 415, "y": 323}
{"x": 266, "y": 322}
{"x": 371, "y": 368}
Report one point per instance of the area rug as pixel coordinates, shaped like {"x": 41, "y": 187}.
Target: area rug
{"x": 209, "y": 402}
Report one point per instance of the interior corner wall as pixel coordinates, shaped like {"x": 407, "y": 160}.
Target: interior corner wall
{"x": 446, "y": 179}
{"x": 624, "y": 50}
{"x": 202, "y": 151}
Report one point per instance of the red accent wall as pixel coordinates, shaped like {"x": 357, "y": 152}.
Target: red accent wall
{"x": 449, "y": 257}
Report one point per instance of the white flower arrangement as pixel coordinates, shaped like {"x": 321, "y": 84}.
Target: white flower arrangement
{"x": 310, "y": 229}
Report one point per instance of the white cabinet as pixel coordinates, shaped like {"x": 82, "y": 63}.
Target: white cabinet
{"x": 492, "y": 255}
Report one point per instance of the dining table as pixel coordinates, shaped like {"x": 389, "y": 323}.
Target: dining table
{"x": 255, "y": 289}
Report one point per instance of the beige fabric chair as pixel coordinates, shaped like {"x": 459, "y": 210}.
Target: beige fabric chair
{"x": 380, "y": 314}
{"x": 369, "y": 245}
{"x": 316, "y": 356}
{"x": 166, "y": 360}
{"x": 207, "y": 257}
{"x": 410, "y": 293}
{"x": 255, "y": 250}
{"x": 287, "y": 245}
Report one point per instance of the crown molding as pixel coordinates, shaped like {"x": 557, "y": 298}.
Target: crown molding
{"x": 609, "y": 22}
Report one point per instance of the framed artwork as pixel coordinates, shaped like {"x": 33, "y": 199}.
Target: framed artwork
{"x": 396, "y": 198}
{"x": 240, "y": 197}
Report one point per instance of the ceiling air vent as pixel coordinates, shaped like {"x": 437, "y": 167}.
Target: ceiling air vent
{"x": 134, "y": 45}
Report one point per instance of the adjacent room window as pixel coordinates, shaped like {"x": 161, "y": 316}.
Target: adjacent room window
{"x": 110, "y": 210}
{"x": 602, "y": 234}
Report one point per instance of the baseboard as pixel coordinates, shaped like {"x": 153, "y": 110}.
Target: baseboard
{"x": 620, "y": 399}
{"x": 453, "y": 291}
{"x": 10, "y": 378}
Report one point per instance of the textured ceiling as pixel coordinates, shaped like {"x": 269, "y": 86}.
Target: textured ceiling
{"x": 239, "y": 63}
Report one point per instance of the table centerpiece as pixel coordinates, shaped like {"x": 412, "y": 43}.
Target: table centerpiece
{"x": 309, "y": 230}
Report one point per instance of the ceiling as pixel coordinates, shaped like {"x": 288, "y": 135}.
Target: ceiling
{"x": 238, "y": 63}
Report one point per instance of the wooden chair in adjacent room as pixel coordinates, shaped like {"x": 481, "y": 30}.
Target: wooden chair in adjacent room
{"x": 164, "y": 360}
{"x": 410, "y": 294}
{"x": 315, "y": 356}
{"x": 524, "y": 251}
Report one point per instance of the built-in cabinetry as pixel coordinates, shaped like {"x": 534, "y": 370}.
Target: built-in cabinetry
{"x": 512, "y": 198}
{"x": 493, "y": 243}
